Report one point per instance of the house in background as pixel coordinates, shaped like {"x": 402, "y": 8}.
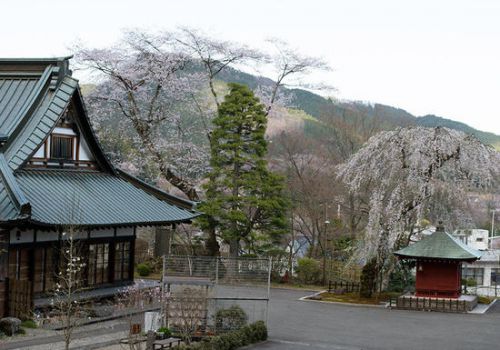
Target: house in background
{"x": 484, "y": 275}
{"x": 54, "y": 175}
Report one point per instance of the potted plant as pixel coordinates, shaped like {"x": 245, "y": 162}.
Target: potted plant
{"x": 163, "y": 333}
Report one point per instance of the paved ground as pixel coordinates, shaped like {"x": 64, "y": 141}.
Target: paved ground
{"x": 311, "y": 325}
{"x": 296, "y": 325}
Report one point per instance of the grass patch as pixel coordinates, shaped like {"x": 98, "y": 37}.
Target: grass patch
{"x": 484, "y": 300}
{"x": 28, "y": 324}
{"x": 151, "y": 276}
{"x": 354, "y": 298}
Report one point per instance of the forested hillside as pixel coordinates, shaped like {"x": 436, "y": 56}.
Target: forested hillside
{"x": 320, "y": 118}
{"x": 376, "y": 116}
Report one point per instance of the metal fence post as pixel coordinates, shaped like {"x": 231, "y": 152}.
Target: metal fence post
{"x": 216, "y": 271}
{"x": 268, "y": 288}
{"x": 162, "y": 292}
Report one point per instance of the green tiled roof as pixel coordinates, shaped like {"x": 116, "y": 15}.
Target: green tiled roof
{"x": 91, "y": 198}
{"x": 14, "y": 94}
{"x": 34, "y": 94}
{"x": 40, "y": 124}
{"x": 439, "y": 245}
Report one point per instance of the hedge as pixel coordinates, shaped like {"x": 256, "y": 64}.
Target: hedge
{"x": 246, "y": 335}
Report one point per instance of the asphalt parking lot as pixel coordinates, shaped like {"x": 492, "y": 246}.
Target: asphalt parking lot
{"x": 311, "y": 325}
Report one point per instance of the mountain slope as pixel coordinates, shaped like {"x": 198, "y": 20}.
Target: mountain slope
{"x": 382, "y": 117}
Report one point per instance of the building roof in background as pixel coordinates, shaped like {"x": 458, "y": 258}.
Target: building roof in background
{"x": 441, "y": 246}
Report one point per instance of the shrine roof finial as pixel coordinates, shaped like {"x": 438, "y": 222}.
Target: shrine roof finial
{"x": 440, "y": 226}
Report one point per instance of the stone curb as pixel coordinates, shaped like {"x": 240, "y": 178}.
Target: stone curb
{"x": 306, "y": 298}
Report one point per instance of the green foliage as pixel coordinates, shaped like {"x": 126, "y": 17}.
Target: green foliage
{"x": 230, "y": 319}
{"x": 368, "y": 278}
{"x": 166, "y": 331}
{"x": 143, "y": 270}
{"x": 401, "y": 279}
{"x": 471, "y": 282}
{"x": 29, "y": 324}
{"x": 21, "y": 331}
{"x": 247, "y": 335}
{"x": 243, "y": 196}
{"x": 308, "y": 270}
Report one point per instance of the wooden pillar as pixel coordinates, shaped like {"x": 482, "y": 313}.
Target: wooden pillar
{"x": 163, "y": 235}
{"x": 132, "y": 256}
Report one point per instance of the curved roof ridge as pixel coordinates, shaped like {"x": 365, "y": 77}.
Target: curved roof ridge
{"x": 23, "y": 113}
{"x": 181, "y": 202}
{"x": 439, "y": 245}
{"x": 17, "y": 197}
{"x": 465, "y": 246}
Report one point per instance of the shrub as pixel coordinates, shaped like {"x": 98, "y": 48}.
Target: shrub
{"x": 166, "y": 332}
{"x": 368, "y": 277}
{"x": 308, "y": 270}
{"x": 143, "y": 270}
{"x": 28, "y": 324}
{"x": 484, "y": 300}
{"x": 247, "y": 335}
{"x": 230, "y": 319}
{"x": 471, "y": 282}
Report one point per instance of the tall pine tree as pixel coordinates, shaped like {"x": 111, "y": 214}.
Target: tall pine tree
{"x": 243, "y": 196}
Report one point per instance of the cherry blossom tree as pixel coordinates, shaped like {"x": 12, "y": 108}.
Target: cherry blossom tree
{"x": 139, "y": 83}
{"x": 156, "y": 85}
{"x": 413, "y": 174}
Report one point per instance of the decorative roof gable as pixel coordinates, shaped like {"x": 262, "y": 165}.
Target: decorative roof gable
{"x": 34, "y": 95}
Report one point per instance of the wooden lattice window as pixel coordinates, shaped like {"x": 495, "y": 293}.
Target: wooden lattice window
{"x": 122, "y": 261}
{"x": 98, "y": 264}
{"x": 61, "y": 147}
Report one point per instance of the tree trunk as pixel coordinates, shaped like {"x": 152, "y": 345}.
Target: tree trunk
{"x": 211, "y": 244}
{"x": 234, "y": 248}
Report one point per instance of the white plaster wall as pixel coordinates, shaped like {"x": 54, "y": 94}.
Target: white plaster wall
{"x": 478, "y": 239}
{"x": 105, "y": 232}
{"x": 40, "y": 153}
{"x": 487, "y": 276}
{"x": 76, "y": 235}
{"x": 64, "y": 131}
{"x": 46, "y": 236}
{"x": 26, "y": 236}
{"x": 125, "y": 231}
{"x": 85, "y": 153}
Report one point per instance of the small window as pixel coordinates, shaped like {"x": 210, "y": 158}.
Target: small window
{"x": 61, "y": 147}
{"x": 479, "y": 239}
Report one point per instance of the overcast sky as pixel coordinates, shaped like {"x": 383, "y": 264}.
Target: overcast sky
{"x": 427, "y": 56}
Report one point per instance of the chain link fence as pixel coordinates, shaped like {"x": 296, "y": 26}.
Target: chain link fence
{"x": 212, "y": 295}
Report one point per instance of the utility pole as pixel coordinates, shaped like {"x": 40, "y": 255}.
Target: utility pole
{"x": 493, "y": 211}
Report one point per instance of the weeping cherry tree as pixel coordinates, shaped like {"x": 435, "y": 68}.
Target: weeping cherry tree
{"x": 411, "y": 174}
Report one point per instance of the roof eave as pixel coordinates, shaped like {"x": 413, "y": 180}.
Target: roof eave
{"x": 404, "y": 256}
{"x": 181, "y": 202}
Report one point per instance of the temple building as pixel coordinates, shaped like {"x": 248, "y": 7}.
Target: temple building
{"x": 54, "y": 177}
{"x": 438, "y": 264}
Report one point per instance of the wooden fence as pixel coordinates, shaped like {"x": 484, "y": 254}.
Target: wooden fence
{"x": 20, "y": 300}
{"x": 3, "y": 298}
{"x": 344, "y": 286}
{"x": 431, "y": 304}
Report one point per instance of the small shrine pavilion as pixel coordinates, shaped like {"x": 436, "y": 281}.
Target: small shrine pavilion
{"x": 439, "y": 257}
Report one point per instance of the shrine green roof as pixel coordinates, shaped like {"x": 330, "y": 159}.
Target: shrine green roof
{"x": 439, "y": 245}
